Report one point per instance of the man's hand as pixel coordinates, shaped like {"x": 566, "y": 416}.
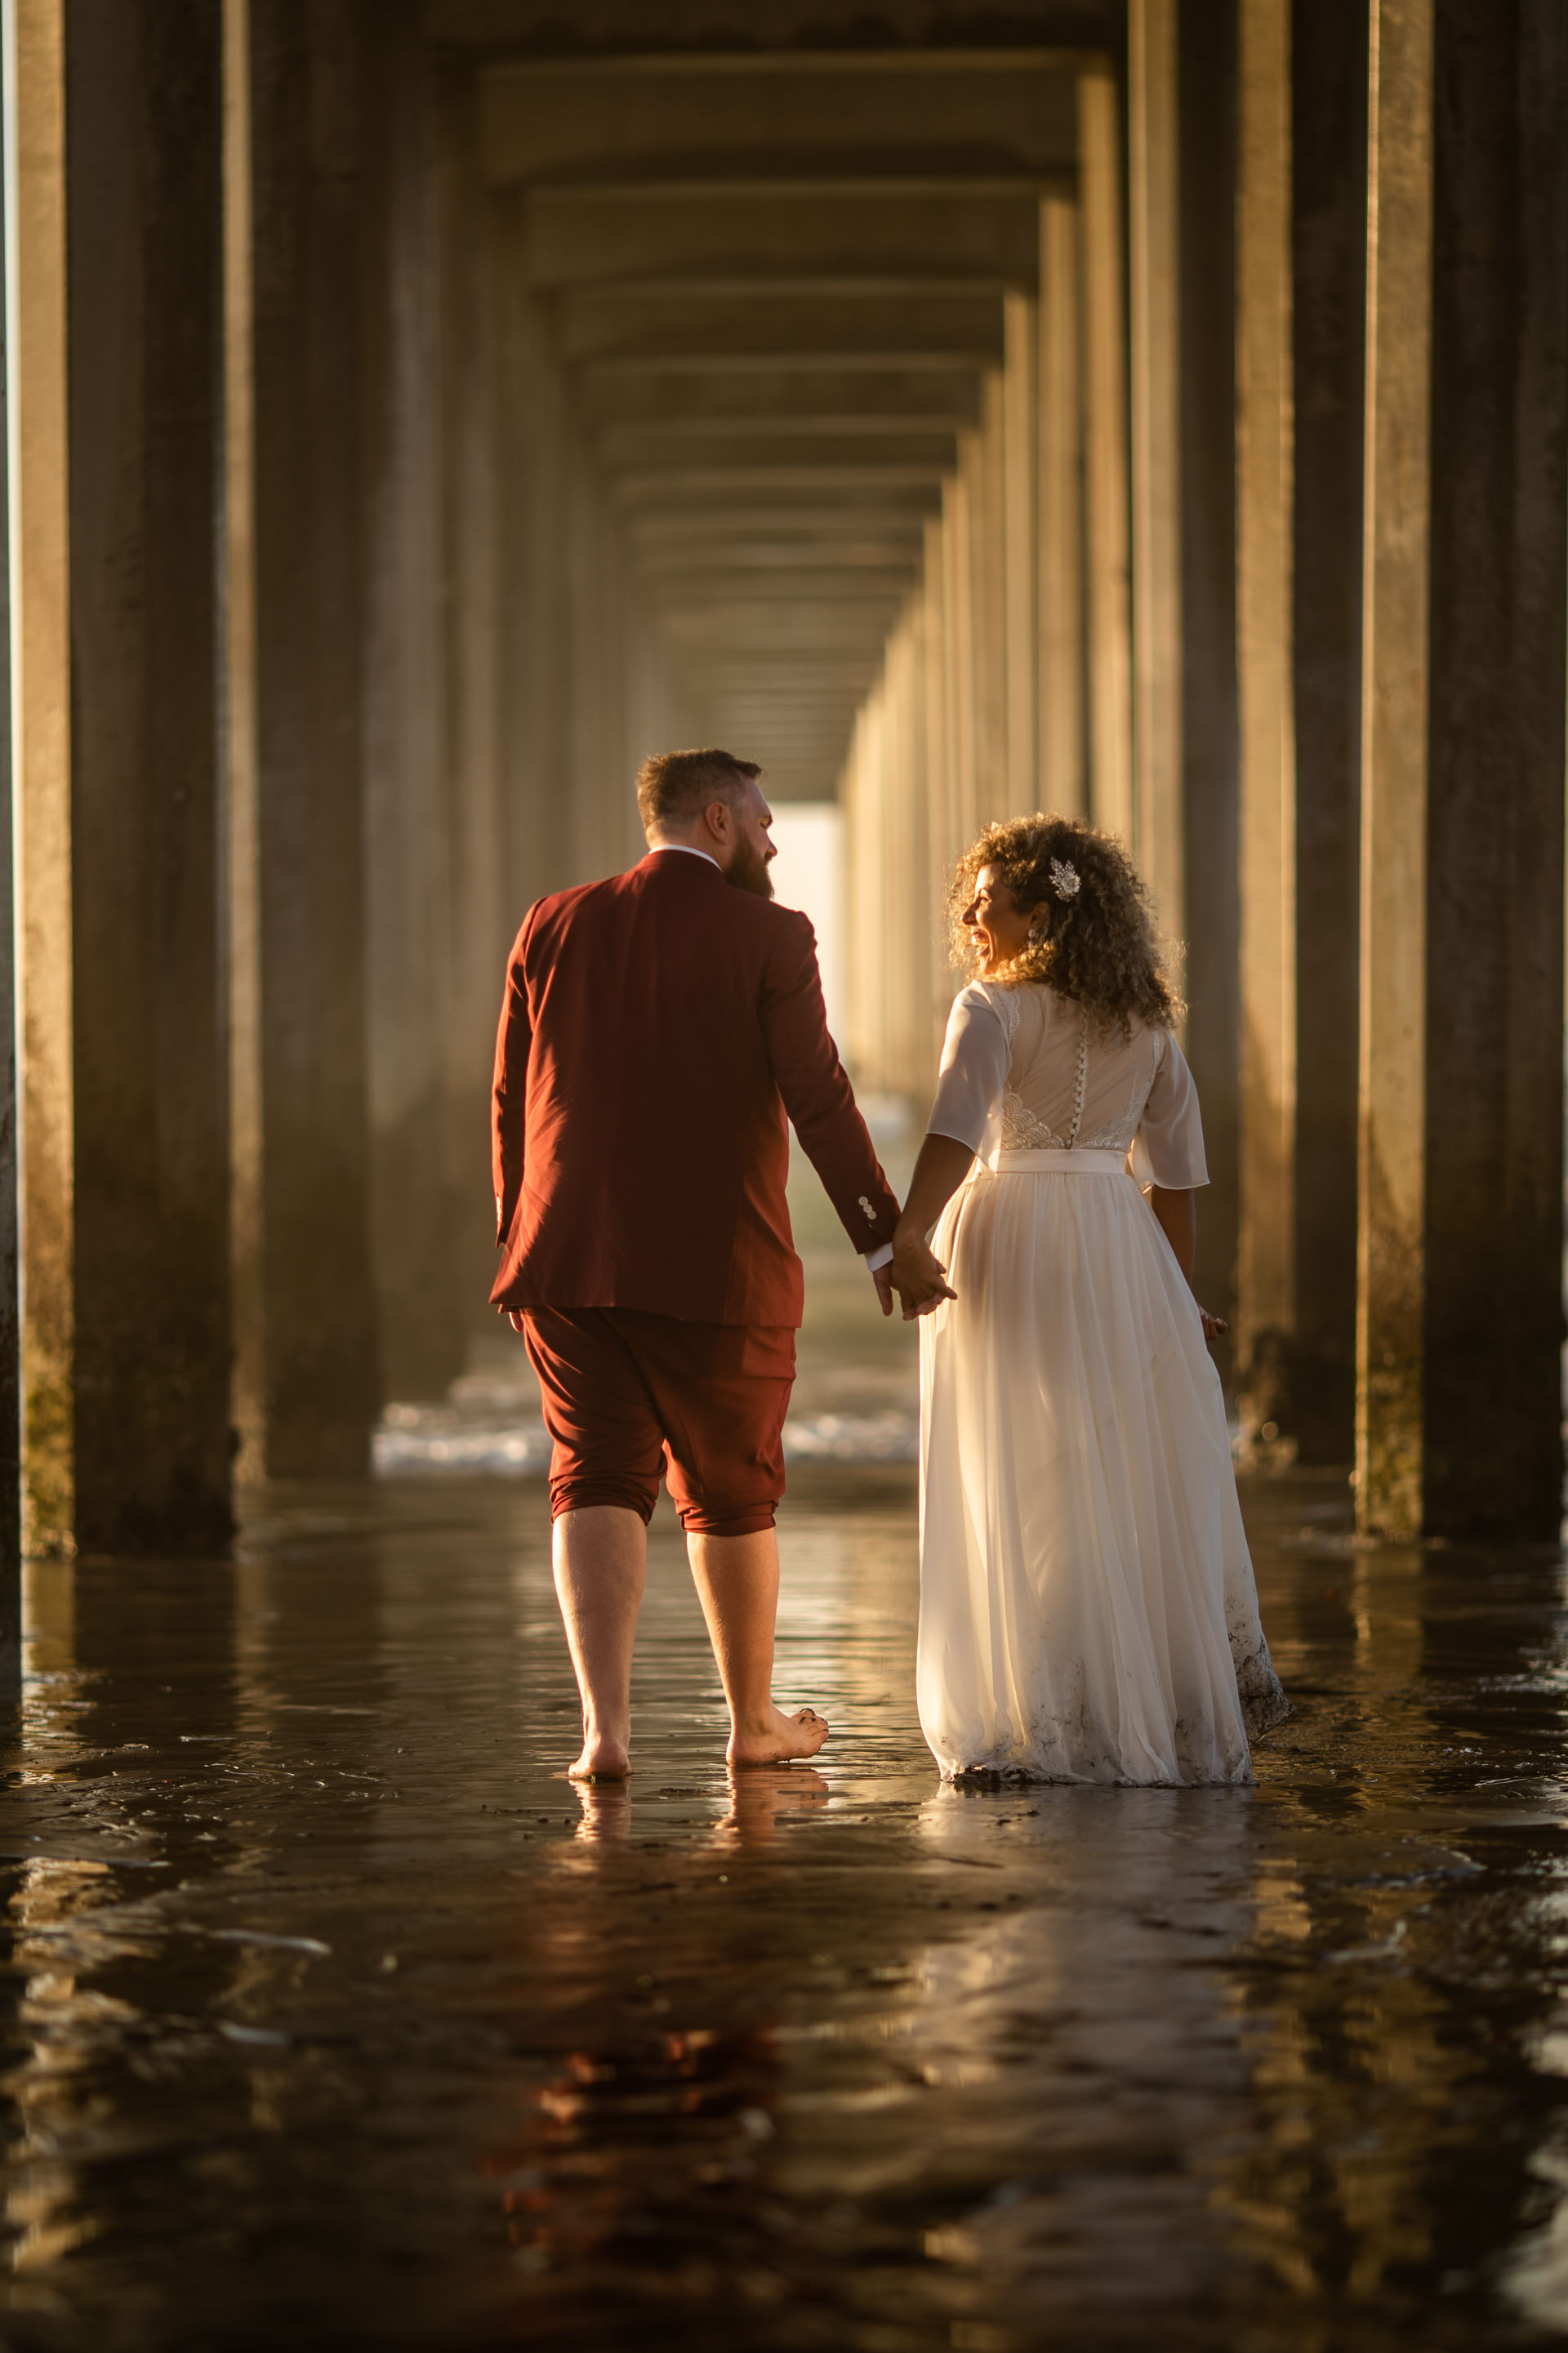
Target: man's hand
{"x": 882, "y": 1276}
{"x": 1215, "y": 1326}
{"x": 919, "y": 1276}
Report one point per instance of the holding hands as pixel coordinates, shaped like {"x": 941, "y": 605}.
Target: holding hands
{"x": 919, "y": 1278}
{"x": 919, "y": 1275}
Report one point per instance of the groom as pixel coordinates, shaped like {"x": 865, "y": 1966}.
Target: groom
{"x": 655, "y": 1030}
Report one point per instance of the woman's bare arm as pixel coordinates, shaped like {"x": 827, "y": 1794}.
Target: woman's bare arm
{"x": 918, "y": 1273}
{"x": 1178, "y": 1216}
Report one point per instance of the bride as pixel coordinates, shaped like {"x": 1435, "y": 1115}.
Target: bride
{"x": 1087, "y": 1610}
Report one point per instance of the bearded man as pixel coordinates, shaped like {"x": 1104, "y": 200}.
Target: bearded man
{"x": 657, "y": 1029}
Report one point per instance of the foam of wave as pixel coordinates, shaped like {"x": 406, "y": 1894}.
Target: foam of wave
{"x": 424, "y": 1441}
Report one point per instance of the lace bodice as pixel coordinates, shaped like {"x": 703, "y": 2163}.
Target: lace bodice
{"x": 1026, "y": 1069}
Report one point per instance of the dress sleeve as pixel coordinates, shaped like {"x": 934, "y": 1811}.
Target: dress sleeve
{"x": 975, "y": 1058}
{"x": 1168, "y": 1149}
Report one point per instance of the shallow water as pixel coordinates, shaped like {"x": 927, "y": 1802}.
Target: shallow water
{"x": 334, "y": 2015}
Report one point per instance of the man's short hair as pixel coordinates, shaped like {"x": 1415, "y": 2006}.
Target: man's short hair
{"x": 674, "y": 787}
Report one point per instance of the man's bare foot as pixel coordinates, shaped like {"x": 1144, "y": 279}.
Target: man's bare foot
{"x": 603, "y": 1759}
{"x": 780, "y": 1739}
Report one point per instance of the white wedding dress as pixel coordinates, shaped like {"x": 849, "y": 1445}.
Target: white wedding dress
{"x": 1087, "y": 1609}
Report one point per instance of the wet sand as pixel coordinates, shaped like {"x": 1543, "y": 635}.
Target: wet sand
{"x": 336, "y": 2017}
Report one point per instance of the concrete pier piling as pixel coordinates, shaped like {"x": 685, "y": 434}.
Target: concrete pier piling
{"x": 1149, "y": 412}
{"x": 120, "y": 416}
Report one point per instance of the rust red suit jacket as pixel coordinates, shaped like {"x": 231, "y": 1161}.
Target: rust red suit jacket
{"x": 655, "y": 1030}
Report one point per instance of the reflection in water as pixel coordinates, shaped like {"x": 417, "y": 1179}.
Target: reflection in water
{"x": 761, "y": 1802}
{"x": 1038, "y": 2029}
{"x": 606, "y": 1811}
{"x": 336, "y": 2014}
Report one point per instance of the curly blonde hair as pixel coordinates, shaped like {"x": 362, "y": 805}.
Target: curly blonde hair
{"x": 1098, "y": 946}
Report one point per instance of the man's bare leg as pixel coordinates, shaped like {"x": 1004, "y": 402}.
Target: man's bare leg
{"x": 737, "y": 1580}
{"x": 601, "y": 1564}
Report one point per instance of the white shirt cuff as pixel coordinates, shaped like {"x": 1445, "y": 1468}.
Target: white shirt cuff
{"x": 879, "y": 1258}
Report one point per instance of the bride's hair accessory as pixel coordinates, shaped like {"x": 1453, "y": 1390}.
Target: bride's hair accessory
{"x": 1066, "y": 880}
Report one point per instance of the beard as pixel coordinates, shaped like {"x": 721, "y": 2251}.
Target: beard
{"x": 747, "y": 870}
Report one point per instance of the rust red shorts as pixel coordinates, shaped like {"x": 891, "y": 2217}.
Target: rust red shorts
{"x": 629, "y": 1398}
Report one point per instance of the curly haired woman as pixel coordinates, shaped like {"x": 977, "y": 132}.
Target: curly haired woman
{"x": 1087, "y": 1609}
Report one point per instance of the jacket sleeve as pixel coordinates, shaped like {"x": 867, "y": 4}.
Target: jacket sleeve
{"x": 817, "y": 1093}
{"x": 508, "y": 1098}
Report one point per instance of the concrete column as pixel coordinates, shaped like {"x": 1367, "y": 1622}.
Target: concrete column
{"x": 852, "y": 1042}
{"x": 613, "y": 786}
{"x": 924, "y": 882}
{"x": 416, "y": 1213}
{"x": 1155, "y": 280}
{"x": 942, "y": 847}
{"x": 647, "y": 700}
{"x": 939, "y": 812}
{"x": 1110, "y": 648}
{"x": 1265, "y": 1274}
{"x": 309, "y": 68}
{"x": 1020, "y": 531}
{"x": 243, "y": 813}
{"x": 879, "y": 895}
{"x": 503, "y": 656}
{"x": 592, "y": 648}
{"x": 44, "y": 783}
{"x": 866, "y": 877}
{"x": 144, "y": 208}
{"x": 10, "y": 1327}
{"x": 982, "y": 462}
{"x": 1206, "y": 323}
{"x": 898, "y": 862}
{"x": 958, "y": 602}
{"x": 926, "y": 886}
{"x": 1491, "y": 1445}
{"x": 1329, "y": 232}
{"x": 651, "y": 719}
{"x": 1059, "y": 568}
{"x": 1394, "y": 713}
{"x": 608, "y": 838}
{"x": 880, "y": 808}
{"x": 509, "y": 396}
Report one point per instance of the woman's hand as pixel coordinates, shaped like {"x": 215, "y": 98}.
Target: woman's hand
{"x": 1178, "y": 1216}
{"x": 919, "y": 1275}
{"x": 941, "y": 1167}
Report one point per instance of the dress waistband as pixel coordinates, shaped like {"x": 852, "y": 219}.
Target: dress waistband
{"x": 1058, "y": 1160}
